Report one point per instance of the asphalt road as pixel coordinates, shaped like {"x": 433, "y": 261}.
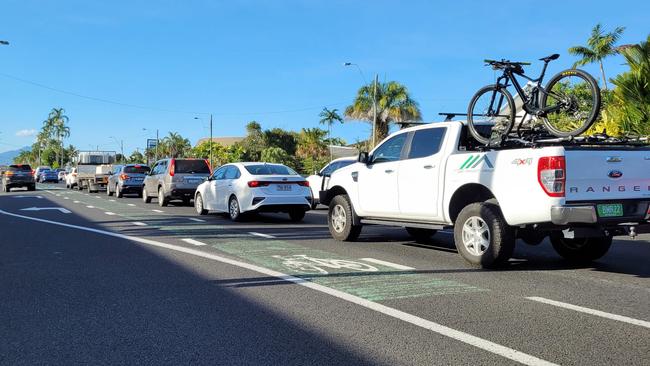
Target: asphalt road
{"x": 101, "y": 280}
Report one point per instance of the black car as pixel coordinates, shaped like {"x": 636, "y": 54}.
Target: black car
{"x": 18, "y": 175}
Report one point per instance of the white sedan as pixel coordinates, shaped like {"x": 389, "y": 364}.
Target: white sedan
{"x": 319, "y": 182}
{"x": 239, "y": 188}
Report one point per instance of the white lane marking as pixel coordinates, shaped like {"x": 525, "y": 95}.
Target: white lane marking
{"x": 197, "y": 220}
{"x": 66, "y": 198}
{"x": 262, "y": 235}
{"x": 130, "y": 204}
{"x": 27, "y": 196}
{"x": 63, "y": 210}
{"x": 193, "y": 242}
{"x": 76, "y": 202}
{"x": 110, "y": 213}
{"x": 111, "y": 200}
{"x": 467, "y": 338}
{"x": 58, "y": 195}
{"x": 157, "y": 211}
{"x": 90, "y": 206}
{"x": 138, "y": 223}
{"x": 387, "y": 264}
{"x": 602, "y": 314}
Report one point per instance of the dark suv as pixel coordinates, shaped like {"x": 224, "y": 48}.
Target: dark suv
{"x": 171, "y": 179}
{"x": 126, "y": 179}
{"x": 19, "y": 175}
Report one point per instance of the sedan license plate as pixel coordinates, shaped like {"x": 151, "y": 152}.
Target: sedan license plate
{"x": 610, "y": 210}
{"x": 283, "y": 187}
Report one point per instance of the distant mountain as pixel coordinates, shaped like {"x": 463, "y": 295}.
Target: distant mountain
{"x": 7, "y": 157}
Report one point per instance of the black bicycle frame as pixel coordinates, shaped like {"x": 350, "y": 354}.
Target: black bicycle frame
{"x": 530, "y": 105}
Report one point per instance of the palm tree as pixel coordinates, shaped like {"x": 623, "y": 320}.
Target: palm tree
{"x": 311, "y": 143}
{"x": 55, "y": 128}
{"x": 176, "y": 145}
{"x": 329, "y": 117}
{"x": 599, "y": 46}
{"x": 394, "y": 104}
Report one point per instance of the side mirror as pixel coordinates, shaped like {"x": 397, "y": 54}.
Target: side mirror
{"x": 209, "y": 178}
{"x": 363, "y": 157}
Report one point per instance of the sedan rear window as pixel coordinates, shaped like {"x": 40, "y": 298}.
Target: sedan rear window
{"x": 137, "y": 169}
{"x": 267, "y": 169}
{"x": 20, "y": 167}
{"x": 191, "y": 166}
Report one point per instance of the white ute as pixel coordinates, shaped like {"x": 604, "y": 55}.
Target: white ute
{"x": 430, "y": 177}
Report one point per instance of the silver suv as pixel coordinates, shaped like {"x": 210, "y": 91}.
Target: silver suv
{"x": 174, "y": 179}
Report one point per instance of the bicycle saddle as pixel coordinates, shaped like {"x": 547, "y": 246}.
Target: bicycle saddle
{"x": 552, "y": 57}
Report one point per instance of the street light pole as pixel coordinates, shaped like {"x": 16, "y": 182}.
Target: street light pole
{"x": 210, "y": 139}
{"x": 157, "y": 142}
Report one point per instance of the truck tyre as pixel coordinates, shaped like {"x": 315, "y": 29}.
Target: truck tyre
{"x": 145, "y": 195}
{"x": 32, "y": 187}
{"x": 162, "y": 200}
{"x": 420, "y": 234}
{"x": 340, "y": 219}
{"x": 482, "y": 235}
{"x": 581, "y": 250}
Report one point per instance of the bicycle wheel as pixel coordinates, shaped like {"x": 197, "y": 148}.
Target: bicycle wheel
{"x": 491, "y": 114}
{"x": 572, "y": 99}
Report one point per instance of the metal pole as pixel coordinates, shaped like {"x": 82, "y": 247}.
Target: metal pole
{"x": 157, "y": 142}
{"x": 374, "y": 111}
{"x": 210, "y": 139}
{"x": 122, "y": 149}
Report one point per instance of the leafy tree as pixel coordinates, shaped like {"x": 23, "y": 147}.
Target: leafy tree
{"x": 278, "y": 137}
{"x": 599, "y": 46}
{"x": 253, "y": 143}
{"x": 174, "y": 145}
{"x": 311, "y": 143}
{"x": 276, "y": 155}
{"x": 136, "y": 158}
{"x": 629, "y": 109}
{"x": 394, "y": 104}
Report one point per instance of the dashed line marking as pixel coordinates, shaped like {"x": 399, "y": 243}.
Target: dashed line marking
{"x": 66, "y": 198}
{"x": 484, "y": 344}
{"x": 76, "y": 202}
{"x": 602, "y": 314}
{"x": 110, "y": 213}
{"x": 267, "y": 236}
{"x": 138, "y": 223}
{"x": 158, "y": 211}
{"x": 193, "y": 242}
{"x": 130, "y": 204}
{"x": 90, "y": 206}
{"x": 387, "y": 264}
{"x": 195, "y": 219}
{"x": 111, "y": 200}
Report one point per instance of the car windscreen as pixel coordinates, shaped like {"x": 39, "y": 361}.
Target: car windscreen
{"x": 20, "y": 167}
{"x": 137, "y": 169}
{"x": 267, "y": 169}
{"x": 191, "y": 166}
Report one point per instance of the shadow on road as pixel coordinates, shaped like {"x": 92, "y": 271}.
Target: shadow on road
{"x": 76, "y": 297}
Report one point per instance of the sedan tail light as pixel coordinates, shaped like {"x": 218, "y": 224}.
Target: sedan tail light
{"x": 257, "y": 183}
{"x": 124, "y": 176}
{"x": 303, "y": 183}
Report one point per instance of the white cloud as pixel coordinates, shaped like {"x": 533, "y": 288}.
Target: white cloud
{"x": 26, "y": 132}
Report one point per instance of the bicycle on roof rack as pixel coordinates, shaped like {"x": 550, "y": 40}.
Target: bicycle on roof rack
{"x": 567, "y": 106}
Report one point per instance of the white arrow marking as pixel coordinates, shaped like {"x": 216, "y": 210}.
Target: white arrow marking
{"x": 28, "y": 196}
{"x": 63, "y": 210}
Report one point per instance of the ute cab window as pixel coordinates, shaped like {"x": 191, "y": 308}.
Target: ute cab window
{"x": 426, "y": 142}
{"x": 391, "y": 150}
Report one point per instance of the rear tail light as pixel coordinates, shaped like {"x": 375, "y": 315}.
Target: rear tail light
{"x": 257, "y": 183}
{"x": 303, "y": 183}
{"x": 551, "y": 174}
{"x": 172, "y": 167}
{"x": 9, "y": 173}
{"x": 124, "y": 176}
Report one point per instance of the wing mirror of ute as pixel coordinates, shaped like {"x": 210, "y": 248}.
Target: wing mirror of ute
{"x": 363, "y": 157}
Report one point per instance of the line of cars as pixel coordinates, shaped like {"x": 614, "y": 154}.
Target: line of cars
{"x": 236, "y": 189}
{"x": 23, "y": 176}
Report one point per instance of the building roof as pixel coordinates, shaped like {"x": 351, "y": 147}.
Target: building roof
{"x": 226, "y": 141}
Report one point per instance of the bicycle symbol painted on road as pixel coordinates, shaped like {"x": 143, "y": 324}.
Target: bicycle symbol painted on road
{"x": 305, "y": 264}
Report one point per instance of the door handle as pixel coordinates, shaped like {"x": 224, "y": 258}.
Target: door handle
{"x": 388, "y": 171}
{"x": 428, "y": 166}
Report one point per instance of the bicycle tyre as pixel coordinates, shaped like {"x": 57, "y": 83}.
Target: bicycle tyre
{"x": 470, "y": 114}
{"x": 595, "y": 96}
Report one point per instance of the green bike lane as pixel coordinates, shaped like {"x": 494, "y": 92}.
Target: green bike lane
{"x": 473, "y": 301}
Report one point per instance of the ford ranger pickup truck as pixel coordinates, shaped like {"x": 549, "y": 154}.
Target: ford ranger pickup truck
{"x": 434, "y": 176}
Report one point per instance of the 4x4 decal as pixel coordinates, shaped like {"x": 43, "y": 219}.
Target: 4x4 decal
{"x": 474, "y": 161}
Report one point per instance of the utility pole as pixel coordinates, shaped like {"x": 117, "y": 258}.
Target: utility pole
{"x": 374, "y": 111}
{"x": 210, "y": 140}
{"x": 157, "y": 142}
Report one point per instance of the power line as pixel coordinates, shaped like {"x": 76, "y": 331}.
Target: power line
{"x": 102, "y": 100}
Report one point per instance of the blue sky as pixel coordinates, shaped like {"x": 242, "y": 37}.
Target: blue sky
{"x": 277, "y": 62}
